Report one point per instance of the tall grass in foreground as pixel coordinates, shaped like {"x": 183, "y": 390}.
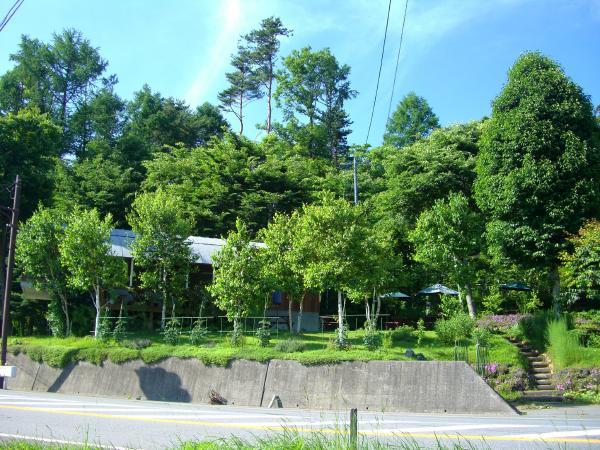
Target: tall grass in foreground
{"x": 564, "y": 348}
{"x": 290, "y": 439}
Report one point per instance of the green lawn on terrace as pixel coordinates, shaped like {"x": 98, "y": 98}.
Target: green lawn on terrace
{"x": 216, "y": 350}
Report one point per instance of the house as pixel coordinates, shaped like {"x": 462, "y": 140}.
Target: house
{"x": 148, "y": 307}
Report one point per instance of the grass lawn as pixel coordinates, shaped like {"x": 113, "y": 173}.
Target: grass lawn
{"x": 215, "y": 349}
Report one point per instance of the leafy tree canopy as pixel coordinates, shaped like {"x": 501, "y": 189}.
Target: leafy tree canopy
{"x": 412, "y": 120}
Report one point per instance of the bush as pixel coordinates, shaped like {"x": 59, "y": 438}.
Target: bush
{"x": 171, "y": 332}
{"x": 482, "y": 336}
{"x": 198, "y": 333}
{"x": 290, "y": 346}
{"x": 104, "y": 332}
{"x": 397, "y": 336}
{"x": 263, "y": 333}
{"x": 450, "y": 306}
{"x": 56, "y": 318}
{"x": 563, "y": 346}
{"x": 579, "y": 384}
{"x": 120, "y": 331}
{"x": 458, "y": 327}
{"x": 136, "y": 344}
{"x": 504, "y": 378}
{"x": 372, "y": 340}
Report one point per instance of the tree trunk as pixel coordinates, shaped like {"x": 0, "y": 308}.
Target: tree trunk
{"x": 368, "y": 324}
{"x": 470, "y": 303}
{"x": 555, "y": 276}
{"x": 340, "y": 315}
{"x": 163, "y": 315}
{"x": 241, "y": 114}
{"x": 65, "y": 308}
{"x": 97, "y": 305}
{"x": 299, "y": 324}
{"x": 290, "y": 302}
{"x": 269, "y": 88}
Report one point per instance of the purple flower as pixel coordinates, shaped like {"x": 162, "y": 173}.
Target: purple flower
{"x": 560, "y": 387}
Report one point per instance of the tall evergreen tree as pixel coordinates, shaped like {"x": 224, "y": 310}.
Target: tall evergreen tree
{"x": 539, "y": 164}
{"x": 244, "y": 86}
{"x": 264, "y": 47}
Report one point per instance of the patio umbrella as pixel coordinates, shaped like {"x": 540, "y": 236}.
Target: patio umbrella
{"x": 516, "y": 286}
{"x": 437, "y": 289}
{"x": 394, "y": 295}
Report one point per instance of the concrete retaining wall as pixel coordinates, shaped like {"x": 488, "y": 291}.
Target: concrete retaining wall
{"x": 410, "y": 386}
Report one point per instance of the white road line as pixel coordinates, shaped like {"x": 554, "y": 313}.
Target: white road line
{"x": 458, "y": 427}
{"x": 58, "y": 441}
{"x": 559, "y": 434}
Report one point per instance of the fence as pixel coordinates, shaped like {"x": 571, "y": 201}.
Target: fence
{"x": 331, "y": 322}
{"x": 461, "y": 353}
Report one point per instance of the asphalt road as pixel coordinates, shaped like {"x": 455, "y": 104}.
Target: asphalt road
{"x": 118, "y": 423}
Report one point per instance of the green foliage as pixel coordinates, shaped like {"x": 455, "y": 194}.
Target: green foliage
{"x": 171, "y": 332}
{"x": 481, "y": 336}
{"x": 237, "y": 339}
{"x": 450, "y": 305}
{"x": 492, "y": 302}
{"x": 372, "y": 340}
{"x": 539, "y": 163}
{"x": 398, "y": 336}
{"x": 456, "y": 328}
{"x": 237, "y": 282}
{"x": 564, "y": 348}
{"x": 412, "y": 120}
{"x": 581, "y": 266}
{"x": 55, "y": 318}
{"x": 104, "y": 331}
{"x": 120, "y": 331}
{"x": 290, "y": 346}
{"x": 198, "y": 333}
{"x": 448, "y": 238}
{"x": 162, "y": 249}
{"x": 263, "y": 333}
{"x": 136, "y": 344}
{"x": 312, "y": 88}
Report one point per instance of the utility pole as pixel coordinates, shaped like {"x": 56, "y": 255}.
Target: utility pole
{"x": 14, "y": 221}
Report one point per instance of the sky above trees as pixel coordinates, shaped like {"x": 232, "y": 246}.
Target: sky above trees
{"x": 455, "y": 52}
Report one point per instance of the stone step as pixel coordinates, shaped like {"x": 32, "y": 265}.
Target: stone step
{"x": 540, "y": 364}
{"x": 531, "y": 353}
{"x": 545, "y": 387}
{"x": 542, "y": 376}
{"x": 535, "y": 358}
{"x": 540, "y": 369}
{"x": 543, "y": 393}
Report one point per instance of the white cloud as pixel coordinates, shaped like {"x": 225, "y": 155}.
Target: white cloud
{"x": 213, "y": 65}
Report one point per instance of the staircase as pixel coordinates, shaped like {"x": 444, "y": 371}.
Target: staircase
{"x": 539, "y": 370}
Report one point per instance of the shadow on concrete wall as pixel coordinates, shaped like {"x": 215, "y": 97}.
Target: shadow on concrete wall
{"x": 158, "y": 384}
{"x": 64, "y": 374}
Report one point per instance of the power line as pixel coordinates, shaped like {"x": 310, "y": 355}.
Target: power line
{"x": 397, "y": 62}
{"x": 11, "y": 12}
{"x": 379, "y": 75}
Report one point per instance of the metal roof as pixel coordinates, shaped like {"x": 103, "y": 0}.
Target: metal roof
{"x": 203, "y": 248}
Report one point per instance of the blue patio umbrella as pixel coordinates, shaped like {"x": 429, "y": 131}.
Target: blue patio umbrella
{"x": 437, "y": 289}
{"x": 515, "y": 286}
{"x": 394, "y": 295}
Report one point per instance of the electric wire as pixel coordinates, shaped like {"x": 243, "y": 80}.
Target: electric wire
{"x": 379, "y": 75}
{"x": 397, "y": 62}
{"x": 11, "y": 12}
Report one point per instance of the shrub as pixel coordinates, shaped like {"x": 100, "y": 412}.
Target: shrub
{"x": 579, "y": 384}
{"x": 458, "y": 327}
{"x": 263, "y": 333}
{"x": 504, "y": 378}
{"x": 136, "y": 344}
{"x": 121, "y": 355}
{"x": 372, "y": 340}
{"x": 500, "y": 322}
{"x": 392, "y": 338}
{"x": 120, "y": 331}
{"x": 290, "y": 346}
{"x": 237, "y": 338}
{"x": 482, "y": 336}
{"x": 563, "y": 346}
{"x": 103, "y": 332}
{"x": 450, "y": 306}
{"x": 198, "y": 333}
{"x": 171, "y": 332}
{"x": 55, "y": 318}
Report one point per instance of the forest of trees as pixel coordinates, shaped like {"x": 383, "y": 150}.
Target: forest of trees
{"x": 473, "y": 205}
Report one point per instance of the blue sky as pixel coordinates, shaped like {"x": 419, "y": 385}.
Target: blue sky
{"x": 455, "y": 53}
